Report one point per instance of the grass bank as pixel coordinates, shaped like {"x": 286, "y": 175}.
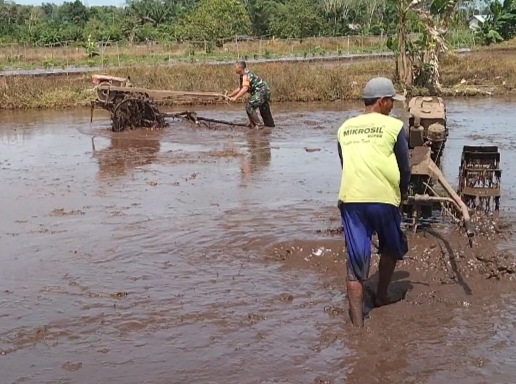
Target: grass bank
{"x": 117, "y": 54}
{"x": 289, "y": 82}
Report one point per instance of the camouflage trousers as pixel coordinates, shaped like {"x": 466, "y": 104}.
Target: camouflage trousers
{"x": 257, "y": 99}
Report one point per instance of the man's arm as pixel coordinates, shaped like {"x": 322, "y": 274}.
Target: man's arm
{"x": 234, "y": 92}
{"x": 402, "y": 156}
{"x": 242, "y": 90}
{"x": 340, "y": 155}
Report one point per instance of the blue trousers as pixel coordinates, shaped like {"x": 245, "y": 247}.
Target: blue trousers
{"x": 359, "y": 221}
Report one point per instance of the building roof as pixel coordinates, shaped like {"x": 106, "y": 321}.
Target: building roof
{"x": 481, "y": 18}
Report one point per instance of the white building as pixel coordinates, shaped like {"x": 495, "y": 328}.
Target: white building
{"x": 475, "y": 20}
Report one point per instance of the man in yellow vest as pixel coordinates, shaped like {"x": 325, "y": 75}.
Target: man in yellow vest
{"x": 373, "y": 151}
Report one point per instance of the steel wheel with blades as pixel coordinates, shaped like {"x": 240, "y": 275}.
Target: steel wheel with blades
{"x": 136, "y": 112}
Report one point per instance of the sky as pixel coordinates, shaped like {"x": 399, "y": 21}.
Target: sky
{"x": 85, "y": 2}
{"x": 97, "y": 2}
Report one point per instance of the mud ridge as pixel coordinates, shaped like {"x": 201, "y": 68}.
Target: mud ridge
{"x": 442, "y": 251}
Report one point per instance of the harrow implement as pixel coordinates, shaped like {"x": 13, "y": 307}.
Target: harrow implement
{"x": 479, "y": 177}
{"x": 133, "y": 107}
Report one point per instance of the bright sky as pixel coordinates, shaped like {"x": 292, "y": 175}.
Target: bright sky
{"x": 105, "y": 2}
{"x": 85, "y": 2}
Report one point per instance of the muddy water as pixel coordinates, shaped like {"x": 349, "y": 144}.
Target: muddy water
{"x": 147, "y": 259}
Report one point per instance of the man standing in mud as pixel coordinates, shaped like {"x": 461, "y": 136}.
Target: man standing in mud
{"x": 373, "y": 152}
{"x": 260, "y": 96}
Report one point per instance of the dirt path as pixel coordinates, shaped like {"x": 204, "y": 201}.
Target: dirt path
{"x": 204, "y": 256}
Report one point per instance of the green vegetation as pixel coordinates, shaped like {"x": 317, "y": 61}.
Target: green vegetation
{"x": 500, "y": 23}
{"x": 219, "y": 21}
{"x": 214, "y": 20}
{"x": 418, "y": 60}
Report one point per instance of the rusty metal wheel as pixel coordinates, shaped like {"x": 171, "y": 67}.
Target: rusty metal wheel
{"x": 103, "y": 93}
{"x": 136, "y": 112}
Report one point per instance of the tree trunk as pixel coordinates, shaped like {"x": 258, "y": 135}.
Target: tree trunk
{"x": 435, "y": 29}
{"x": 403, "y": 61}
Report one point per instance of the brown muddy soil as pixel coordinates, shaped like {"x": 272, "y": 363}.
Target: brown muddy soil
{"x": 215, "y": 256}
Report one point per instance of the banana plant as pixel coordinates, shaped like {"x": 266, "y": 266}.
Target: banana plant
{"x": 418, "y": 61}
{"x": 500, "y": 23}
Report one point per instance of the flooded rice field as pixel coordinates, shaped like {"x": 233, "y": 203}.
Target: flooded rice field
{"x": 207, "y": 256}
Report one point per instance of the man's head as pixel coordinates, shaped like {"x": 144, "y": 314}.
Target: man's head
{"x": 240, "y": 67}
{"x": 379, "y": 95}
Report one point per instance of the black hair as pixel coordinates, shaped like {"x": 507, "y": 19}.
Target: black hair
{"x": 242, "y": 64}
{"x": 370, "y": 102}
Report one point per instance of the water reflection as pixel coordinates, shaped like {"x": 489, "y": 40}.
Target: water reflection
{"x": 126, "y": 152}
{"x": 14, "y": 136}
{"x": 259, "y": 157}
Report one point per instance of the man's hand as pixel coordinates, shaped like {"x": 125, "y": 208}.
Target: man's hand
{"x": 233, "y": 98}
{"x": 404, "y": 197}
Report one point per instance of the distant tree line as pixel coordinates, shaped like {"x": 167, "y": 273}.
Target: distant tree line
{"x": 214, "y": 21}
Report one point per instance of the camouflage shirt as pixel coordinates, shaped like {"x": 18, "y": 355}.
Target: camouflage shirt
{"x": 255, "y": 82}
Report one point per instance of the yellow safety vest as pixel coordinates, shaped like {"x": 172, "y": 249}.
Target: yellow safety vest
{"x": 370, "y": 173}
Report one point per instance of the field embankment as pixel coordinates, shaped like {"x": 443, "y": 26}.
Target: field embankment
{"x": 489, "y": 71}
{"x": 116, "y": 55}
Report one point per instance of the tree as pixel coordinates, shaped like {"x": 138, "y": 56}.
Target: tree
{"x": 401, "y": 46}
{"x": 212, "y": 20}
{"x": 209, "y": 20}
{"x": 74, "y": 13}
{"x": 296, "y": 19}
{"x": 435, "y": 20}
{"x": 500, "y": 23}
{"x": 260, "y": 13}
{"x": 337, "y": 12}
{"x": 418, "y": 61}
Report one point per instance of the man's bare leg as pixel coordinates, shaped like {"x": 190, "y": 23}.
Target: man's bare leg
{"x": 385, "y": 272}
{"x": 355, "y": 298}
{"x": 251, "y": 124}
{"x": 254, "y": 120}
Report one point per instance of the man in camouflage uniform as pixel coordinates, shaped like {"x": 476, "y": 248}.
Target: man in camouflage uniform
{"x": 260, "y": 96}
